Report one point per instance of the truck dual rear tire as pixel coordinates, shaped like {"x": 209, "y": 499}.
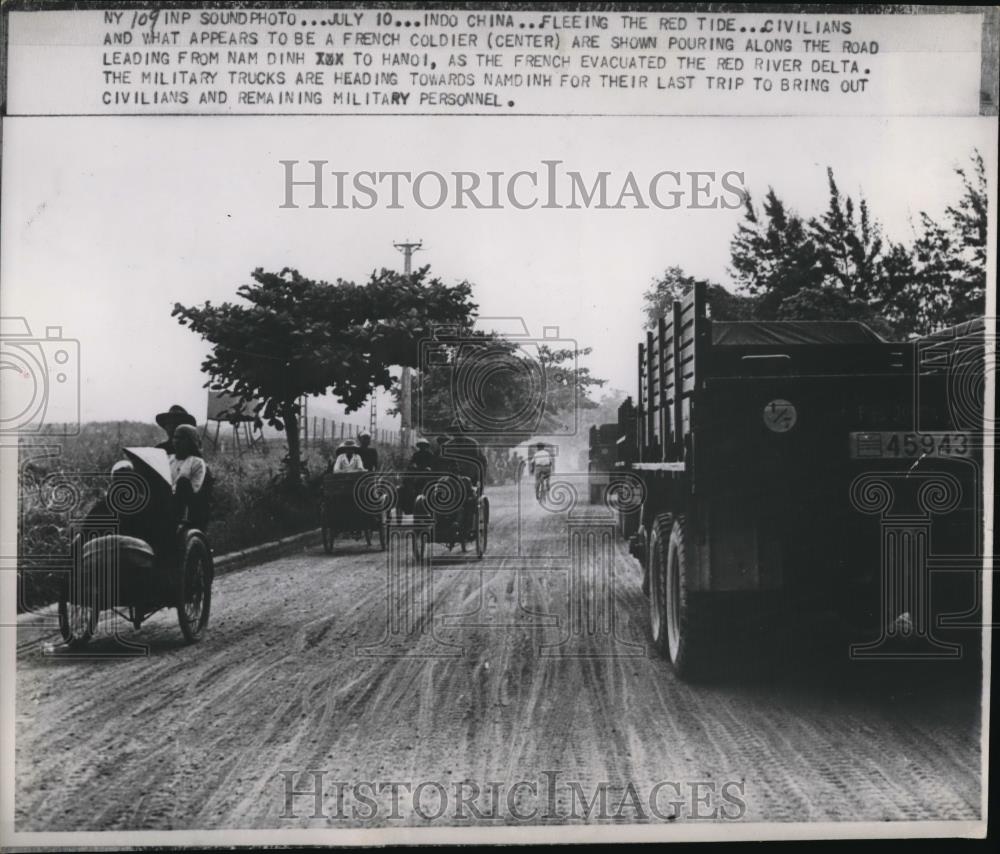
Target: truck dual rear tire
{"x": 682, "y": 623}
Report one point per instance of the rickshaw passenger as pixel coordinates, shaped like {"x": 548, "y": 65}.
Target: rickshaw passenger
{"x": 348, "y": 458}
{"x": 150, "y": 523}
{"x": 102, "y": 511}
{"x": 188, "y": 474}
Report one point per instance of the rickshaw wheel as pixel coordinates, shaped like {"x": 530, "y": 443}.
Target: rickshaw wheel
{"x": 328, "y": 534}
{"x": 382, "y": 531}
{"x": 482, "y": 526}
{"x": 77, "y": 622}
{"x": 420, "y": 539}
{"x": 194, "y": 599}
{"x": 419, "y": 545}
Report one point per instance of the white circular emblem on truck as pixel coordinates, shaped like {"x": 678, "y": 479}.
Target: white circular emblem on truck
{"x": 780, "y": 416}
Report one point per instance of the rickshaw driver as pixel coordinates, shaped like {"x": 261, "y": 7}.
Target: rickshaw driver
{"x": 188, "y": 473}
{"x": 424, "y": 461}
{"x": 468, "y": 463}
{"x": 170, "y": 421}
{"x": 369, "y": 456}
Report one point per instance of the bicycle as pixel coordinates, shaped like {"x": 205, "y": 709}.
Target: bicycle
{"x": 542, "y": 475}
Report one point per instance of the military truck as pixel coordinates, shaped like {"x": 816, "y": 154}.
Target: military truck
{"x": 764, "y": 450}
{"x": 601, "y": 459}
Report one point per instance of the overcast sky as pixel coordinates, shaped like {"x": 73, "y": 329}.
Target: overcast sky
{"x": 109, "y": 221}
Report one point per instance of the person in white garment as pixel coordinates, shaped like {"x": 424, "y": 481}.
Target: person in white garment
{"x": 348, "y": 458}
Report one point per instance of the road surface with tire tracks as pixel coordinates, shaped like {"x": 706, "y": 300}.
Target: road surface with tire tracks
{"x": 518, "y": 672}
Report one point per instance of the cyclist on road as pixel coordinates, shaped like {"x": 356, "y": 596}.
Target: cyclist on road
{"x": 541, "y": 467}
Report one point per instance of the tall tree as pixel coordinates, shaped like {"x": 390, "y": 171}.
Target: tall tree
{"x": 840, "y": 266}
{"x": 849, "y": 245}
{"x": 293, "y": 336}
{"x": 949, "y": 257}
{"x": 772, "y": 255}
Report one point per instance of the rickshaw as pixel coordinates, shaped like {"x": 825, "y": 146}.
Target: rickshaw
{"x": 456, "y": 503}
{"x": 351, "y": 503}
{"x": 134, "y": 556}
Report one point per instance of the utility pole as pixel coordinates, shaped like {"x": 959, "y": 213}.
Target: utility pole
{"x": 405, "y": 395}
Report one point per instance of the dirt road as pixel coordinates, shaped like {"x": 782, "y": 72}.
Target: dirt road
{"x": 525, "y": 690}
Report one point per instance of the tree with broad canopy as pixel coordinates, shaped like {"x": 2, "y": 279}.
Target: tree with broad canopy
{"x": 294, "y": 336}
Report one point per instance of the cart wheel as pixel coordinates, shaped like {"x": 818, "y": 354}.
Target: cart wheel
{"x": 482, "y": 526}
{"x": 419, "y": 539}
{"x": 419, "y": 545}
{"x": 328, "y": 533}
{"x": 77, "y": 622}
{"x": 194, "y": 594}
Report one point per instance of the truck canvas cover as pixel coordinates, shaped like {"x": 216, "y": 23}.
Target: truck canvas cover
{"x": 744, "y": 333}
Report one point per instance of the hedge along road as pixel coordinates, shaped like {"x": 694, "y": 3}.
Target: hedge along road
{"x": 516, "y": 706}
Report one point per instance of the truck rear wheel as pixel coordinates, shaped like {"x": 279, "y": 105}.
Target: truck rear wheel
{"x": 692, "y": 634}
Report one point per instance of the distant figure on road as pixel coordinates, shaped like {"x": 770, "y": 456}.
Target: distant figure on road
{"x": 170, "y": 421}
{"x": 516, "y": 467}
{"x": 541, "y": 466}
{"x": 542, "y": 459}
{"x": 349, "y": 460}
{"x": 369, "y": 456}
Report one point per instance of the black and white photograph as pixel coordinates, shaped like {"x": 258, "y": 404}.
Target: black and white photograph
{"x": 495, "y": 422}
